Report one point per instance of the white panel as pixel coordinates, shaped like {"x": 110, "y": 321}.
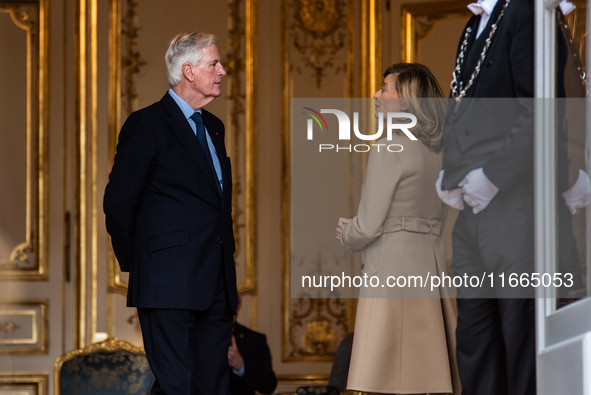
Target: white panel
{"x": 565, "y": 368}
{"x": 568, "y": 322}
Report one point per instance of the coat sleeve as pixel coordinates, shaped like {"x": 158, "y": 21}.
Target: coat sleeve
{"x": 136, "y": 154}
{"x": 384, "y": 171}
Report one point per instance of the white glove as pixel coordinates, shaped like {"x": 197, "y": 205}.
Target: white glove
{"x": 478, "y": 190}
{"x": 579, "y": 195}
{"x": 452, "y": 198}
{"x": 566, "y": 7}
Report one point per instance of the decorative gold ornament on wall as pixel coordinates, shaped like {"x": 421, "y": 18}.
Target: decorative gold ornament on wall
{"x": 318, "y": 34}
{"x": 132, "y": 62}
{"x": 23, "y": 13}
{"x": 28, "y": 259}
{"x": 24, "y": 383}
{"x": 125, "y": 64}
{"x": 241, "y": 67}
{"x": 315, "y": 328}
{"x": 23, "y": 326}
{"x": 116, "y": 283}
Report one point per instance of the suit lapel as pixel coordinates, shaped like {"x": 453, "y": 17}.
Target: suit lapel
{"x": 182, "y": 130}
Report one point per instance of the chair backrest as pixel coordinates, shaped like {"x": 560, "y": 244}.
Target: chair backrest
{"x": 112, "y": 366}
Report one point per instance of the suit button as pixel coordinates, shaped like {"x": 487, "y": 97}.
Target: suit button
{"x": 220, "y": 241}
{"x": 489, "y": 63}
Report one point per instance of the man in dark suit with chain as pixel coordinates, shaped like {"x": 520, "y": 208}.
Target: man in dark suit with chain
{"x": 488, "y": 175}
{"x": 168, "y": 211}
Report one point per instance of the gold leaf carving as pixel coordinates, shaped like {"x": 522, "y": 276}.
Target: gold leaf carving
{"x": 319, "y": 34}
{"x": 8, "y": 327}
{"x": 319, "y": 17}
{"x": 23, "y": 15}
{"x": 316, "y": 327}
{"x": 237, "y": 97}
{"x": 131, "y": 60}
{"x": 20, "y": 258}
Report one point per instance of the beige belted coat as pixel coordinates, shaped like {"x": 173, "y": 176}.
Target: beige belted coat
{"x": 404, "y": 340}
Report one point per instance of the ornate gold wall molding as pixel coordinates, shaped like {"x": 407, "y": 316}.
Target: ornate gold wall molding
{"x": 132, "y": 62}
{"x": 116, "y": 284}
{"x": 318, "y": 34}
{"x": 315, "y": 329}
{"x": 371, "y": 46}
{"x": 28, "y": 260}
{"x": 418, "y": 20}
{"x": 241, "y": 116}
{"x": 23, "y": 326}
{"x": 125, "y": 62}
{"x": 312, "y": 328}
{"x": 24, "y": 383}
{"x": 8, "y": 327}
{"x": 23, "y": 13}
{"x": 86, "y": 170}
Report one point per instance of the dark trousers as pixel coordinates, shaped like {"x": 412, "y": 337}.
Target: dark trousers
{"x": 188, "y": 349}
{"x": 496, "y": 346}
{"x": 496, "y": 325}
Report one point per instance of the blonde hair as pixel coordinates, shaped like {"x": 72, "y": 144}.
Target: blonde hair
{"x": 185, "y": 48}
{"x": 414, "y": 83}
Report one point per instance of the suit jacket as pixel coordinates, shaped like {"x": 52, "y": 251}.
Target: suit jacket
{"x": 169, "y": 226}
{"x": 496, "y": 133}
{"x": 258, "y": 369}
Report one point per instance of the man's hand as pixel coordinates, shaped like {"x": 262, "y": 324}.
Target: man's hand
{"x": 343, "y": 222}
{"x": 579, "y": 195}
{"x": 478, "y": 190}
{"x": 452, "y": 198}
{"x": 234, "y": 358}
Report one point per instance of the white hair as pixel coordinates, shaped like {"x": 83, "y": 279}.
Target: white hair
{"x": 185, "y": 48}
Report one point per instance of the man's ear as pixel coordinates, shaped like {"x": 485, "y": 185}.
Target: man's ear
{"x": 188, "y": 71}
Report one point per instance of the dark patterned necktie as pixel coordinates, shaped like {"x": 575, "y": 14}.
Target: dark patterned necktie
{"x": 200, "y": 132}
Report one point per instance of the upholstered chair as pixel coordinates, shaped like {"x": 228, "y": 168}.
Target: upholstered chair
{"x": 112, "y": 367}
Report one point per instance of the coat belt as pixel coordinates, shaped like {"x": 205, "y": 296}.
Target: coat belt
{"x": 416, "y": 225}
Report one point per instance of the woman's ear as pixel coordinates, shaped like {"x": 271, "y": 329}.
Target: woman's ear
{"x": 403, "y": 105}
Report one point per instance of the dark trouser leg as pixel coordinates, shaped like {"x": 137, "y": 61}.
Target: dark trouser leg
{"x": 480, "y": 348}
{"x": 188, "y": 349}
{"x": 518, "y": 320}
{"x": 495, "y": 335}
{"x": 214, "y": 333}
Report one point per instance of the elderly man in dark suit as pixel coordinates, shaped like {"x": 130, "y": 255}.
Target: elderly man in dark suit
{"x": 488, "y": 175}
{"x": 168, "y": 211}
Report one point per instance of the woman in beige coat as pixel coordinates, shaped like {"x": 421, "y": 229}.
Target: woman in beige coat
{"x": 403, "y": 344}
